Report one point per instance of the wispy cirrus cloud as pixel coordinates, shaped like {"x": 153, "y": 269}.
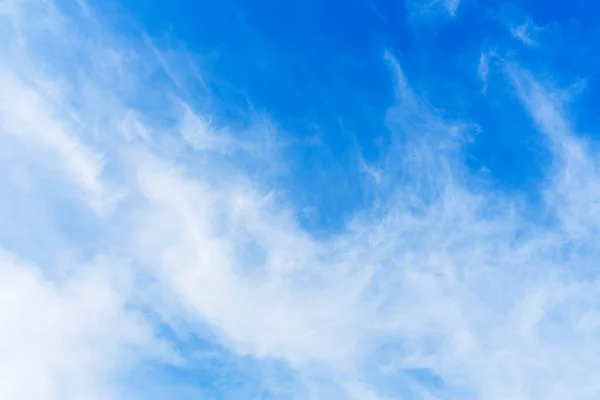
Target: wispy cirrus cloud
{"x": 527, "y": 33}
{"x": 162, "y": 229}
{"x": 431, "y": 8}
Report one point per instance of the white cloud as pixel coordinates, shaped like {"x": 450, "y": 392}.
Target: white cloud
{"x": 68, "y": 339}
{"x": 451, "y": 6}
{"x": 438, "y": 277}
{"x": 427, "y": 9}
{"x": 526, "y": 33}
{"x": 483, "y": 70}
{"x": 27, "y": 115}
{"x": 575, "y": 186}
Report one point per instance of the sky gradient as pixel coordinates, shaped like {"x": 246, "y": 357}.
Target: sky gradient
{"x": 362, "y": 200}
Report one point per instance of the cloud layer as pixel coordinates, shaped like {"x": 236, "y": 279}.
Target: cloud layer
{"x": 140, "y": 227}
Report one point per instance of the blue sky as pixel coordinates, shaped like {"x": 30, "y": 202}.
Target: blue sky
{"x": 314, "y": 200}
